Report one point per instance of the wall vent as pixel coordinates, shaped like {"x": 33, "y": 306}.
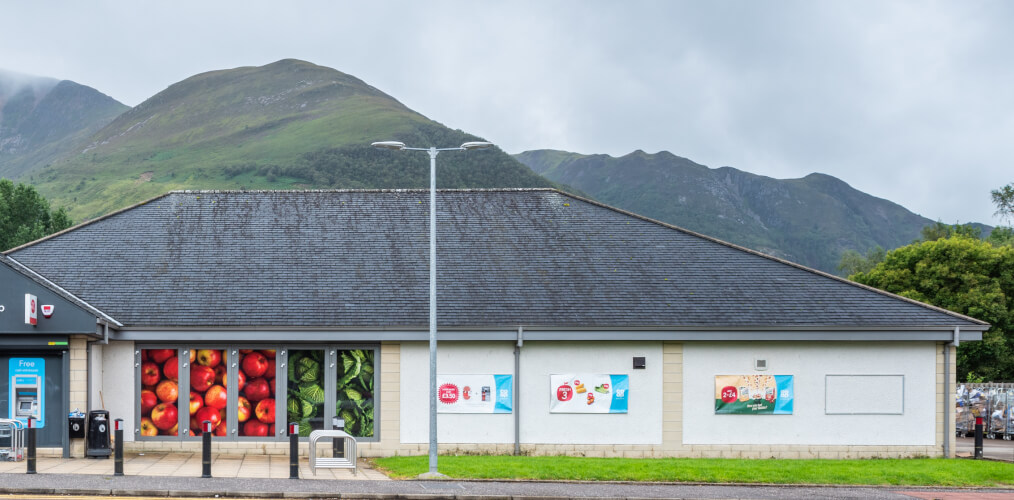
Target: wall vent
{"x": 760, "y": 364}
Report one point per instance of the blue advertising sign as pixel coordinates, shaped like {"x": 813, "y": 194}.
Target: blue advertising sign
{"x": 27, "y": 390}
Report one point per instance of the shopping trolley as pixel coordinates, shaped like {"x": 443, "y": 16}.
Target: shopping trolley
{"x": 12, "y": 440}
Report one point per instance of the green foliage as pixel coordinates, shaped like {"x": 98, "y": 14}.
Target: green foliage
{"x": 1001, "y": 236}
{"x": 965, "y": 275}
{"x": 940, "y": 230}
{"x": 25, "y": 215}
{"x": 853, "y": 262}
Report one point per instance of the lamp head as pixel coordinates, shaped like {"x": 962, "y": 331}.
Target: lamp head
{"x": 395, "y": 145}
{"x": 476, "y": 145}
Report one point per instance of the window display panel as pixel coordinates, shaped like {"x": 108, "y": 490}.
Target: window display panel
{"x": 255, "y": 381}
{"x": 208, "y": 395}
{"x": 305, "y": 389}
{"x": 354, "y": 402}
{"x": 159, "y": 392}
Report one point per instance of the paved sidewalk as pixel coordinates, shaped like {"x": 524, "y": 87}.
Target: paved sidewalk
{"x": 189, "y": 465}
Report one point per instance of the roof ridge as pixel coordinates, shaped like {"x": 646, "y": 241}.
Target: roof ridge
{"x": 777, "y": 259}
{"x": 389, "y": 190}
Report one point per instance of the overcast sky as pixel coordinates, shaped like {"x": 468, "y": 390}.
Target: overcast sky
{"x": 909, "y": 101}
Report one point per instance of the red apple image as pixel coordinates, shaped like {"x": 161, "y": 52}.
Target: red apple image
{"x": 201, "y": 377}
{"x": 196, "y": 402}
{"x": 222, "y": 429}
{"x": 148, "y": 401}
{"x": 265, "y": 411}
{"x": 164, "y": 416}
{"x": 167, "y": 391}
{"x": 193, "y": 355}
{"x": 268, "y": 353}
{"x": 209, "y": 357}
{"x": 160, "y": 355}
{"x": 255, "y": 428}
{"x": 245, "y": 351}
{"x": 195, "y": 426}
{"x": 220, "y": 374}
{"x": 148, "y": 427}
{"x": 150, "y": 374}
{"x": 271, "y": 385}
{"x": 174, "y": 431}
{"x": 244, "y": 410}
{"x": 270, "y": 373}
{"x": 144, "y": 355}
{"x": 171, "y": 368}
{"x": 216, "y": 397}
{"x": 254, "y": 364}
{"x": 257, "y": 389}
{"x": 271, "y": 429}
{"x": 210, "y": 414}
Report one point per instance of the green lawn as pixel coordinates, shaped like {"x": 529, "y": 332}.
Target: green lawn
{"x": 926, "y": 472}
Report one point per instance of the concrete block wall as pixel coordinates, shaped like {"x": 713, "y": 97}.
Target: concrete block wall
{"x": 77, "y": 386}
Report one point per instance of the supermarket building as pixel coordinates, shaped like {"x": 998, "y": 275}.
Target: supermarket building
{"x": 566, "y": 326}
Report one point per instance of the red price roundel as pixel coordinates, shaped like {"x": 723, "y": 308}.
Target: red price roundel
{"x": 448, "y": 394}
{"x": 564, "y": 392}
{"x": 729, "y": 394}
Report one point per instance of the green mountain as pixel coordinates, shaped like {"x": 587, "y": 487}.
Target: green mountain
{"x": 810, "y": 220}
{"x": 42, "y": 119}
{"x": 289, "y": 124}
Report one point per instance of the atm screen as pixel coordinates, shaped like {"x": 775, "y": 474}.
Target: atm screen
{"x": 25, "y": 406}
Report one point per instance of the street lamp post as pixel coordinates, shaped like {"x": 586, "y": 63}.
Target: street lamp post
{"x": 433, "y": 151}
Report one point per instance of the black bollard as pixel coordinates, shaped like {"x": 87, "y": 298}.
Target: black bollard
{"x": 118, "y": 452}
{"x": 978, "y": 437}
{"x": 31, "y": 446}
{"x": 293, "y": 451}
{"x": 206, "y": 449}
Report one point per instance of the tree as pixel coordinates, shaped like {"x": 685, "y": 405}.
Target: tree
{"x": 965, "y": 275}
{"x": 25, "y": 215}
{"x": 940, "y": 230}
{"x": 1003, "y": 198}
{"x": 853, "y": 262}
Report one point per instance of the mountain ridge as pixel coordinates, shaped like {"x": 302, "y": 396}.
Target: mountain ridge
{"x": 810, "y": 220}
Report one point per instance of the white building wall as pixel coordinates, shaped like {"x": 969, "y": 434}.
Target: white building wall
{"x": 539, "y": 359}
{"x": 117, "y": 375}
{"x": 809, "y": 363}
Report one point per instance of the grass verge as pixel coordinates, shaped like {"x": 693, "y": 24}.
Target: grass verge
{"x": 909, "y": 472}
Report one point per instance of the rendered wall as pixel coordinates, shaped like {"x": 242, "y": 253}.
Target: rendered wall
{"x": 117, "y": 376}
{"x": 809, "y": 363}
{"x": 642, "y": 425}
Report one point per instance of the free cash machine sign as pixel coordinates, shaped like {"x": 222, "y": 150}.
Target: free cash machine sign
{"x": 588, "y": 393}
{"x": 753, "y": 394}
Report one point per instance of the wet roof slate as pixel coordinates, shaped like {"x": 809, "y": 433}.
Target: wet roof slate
{"x": 359, "y": 259}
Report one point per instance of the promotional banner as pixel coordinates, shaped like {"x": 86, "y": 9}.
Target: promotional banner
{"x": 588, "y": 393}
{"x": 753, "y": 394}
{"x": 27, "y": 390}
{"x": 475, "y": 393}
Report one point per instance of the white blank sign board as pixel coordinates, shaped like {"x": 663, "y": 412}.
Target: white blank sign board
{"x": 864, "y": 394}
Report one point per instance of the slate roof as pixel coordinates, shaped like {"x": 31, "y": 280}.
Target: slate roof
{"x": 56, "y": 289}
{"x": 359, "y": 259}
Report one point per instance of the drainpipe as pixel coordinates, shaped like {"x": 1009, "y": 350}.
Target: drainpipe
{"x": 948, "y": 393}
{"x": 517, "y": 391}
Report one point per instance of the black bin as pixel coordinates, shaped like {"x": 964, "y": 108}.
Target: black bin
{"x": 76, "y": 424}
{"x": 98, "y": 434}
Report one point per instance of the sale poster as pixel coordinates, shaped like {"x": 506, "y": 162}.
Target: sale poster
{"x": 588, "y": 393}
{"x": 475, "y": 393}
{"x": 753, "y": 394}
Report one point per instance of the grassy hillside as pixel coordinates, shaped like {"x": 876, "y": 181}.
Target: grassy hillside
{"x": 810, "y": 220}
{"x": 289, "y": 124}
{"x": 43, "y": 118}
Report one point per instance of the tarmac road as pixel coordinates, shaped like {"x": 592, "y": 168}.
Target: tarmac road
{"x": 90, "y": 486}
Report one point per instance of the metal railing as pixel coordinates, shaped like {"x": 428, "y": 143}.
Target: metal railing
{"x": 992, "y": 401}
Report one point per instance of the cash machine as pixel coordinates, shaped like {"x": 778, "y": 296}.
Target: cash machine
{"x": 26, "y": 396}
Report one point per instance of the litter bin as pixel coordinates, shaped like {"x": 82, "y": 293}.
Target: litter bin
{"x": 98, "y": 434}
{"x": 76, "y": 424}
